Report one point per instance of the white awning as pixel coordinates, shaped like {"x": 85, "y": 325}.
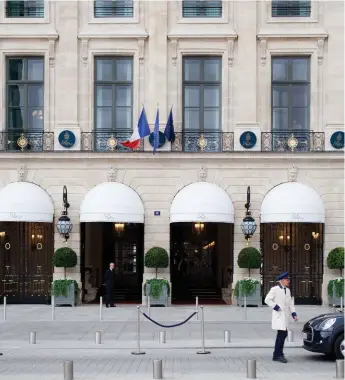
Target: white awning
{"x": 112, "y": 202}
{"x": 292, "y": 202}
{"x": 202, "y": 201}
{"x": 25, "y": 202}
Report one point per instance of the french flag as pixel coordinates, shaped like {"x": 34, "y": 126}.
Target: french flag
{"x": 139, "y": 133}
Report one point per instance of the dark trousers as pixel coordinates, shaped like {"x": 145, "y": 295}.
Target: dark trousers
{"x": 279, "y": 346}
{"x": 108, "y": 295}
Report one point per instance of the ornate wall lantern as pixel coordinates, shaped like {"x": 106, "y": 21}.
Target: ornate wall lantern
{"x": 198, "y": 228}
{"x": 64, "y": 224}
{"x": 248, "y": 225}
{"x": 119, "y": 228}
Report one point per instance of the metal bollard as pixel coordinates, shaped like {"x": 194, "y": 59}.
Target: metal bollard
{"x": 245, "y": 308}
{"x": 100, "y": 308}
{"x": 98, "y": 337}
{"x": 202, "y": 352}
{"x": 341, "y": 303}
{"x": 157, "y": 369}
{"x": 227, "y": 336}
{"x": 5, "y": 303}
{"x": 339, "y": 369}
{"x": 138, "y": 352}
{"x": 251, "y": 369}
{"x": 32, "y": 339}
{"x": 53, "y": 308}
{"x": 162, "y": 337}
{"x": 148, "y": 306}
{"x": 68, "y": 370}
{"x": 197, "y": 307}
{"x": 290, "y": 336}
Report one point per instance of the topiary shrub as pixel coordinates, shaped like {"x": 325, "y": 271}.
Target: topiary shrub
{"x": 335, "y": 259}
{"x": 249, "y": 258}
{"x": 156, "y": 257}
{"x": 64, "y": 258}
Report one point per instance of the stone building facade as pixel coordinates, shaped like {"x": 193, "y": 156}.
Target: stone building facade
{"x": 244, "y": 39}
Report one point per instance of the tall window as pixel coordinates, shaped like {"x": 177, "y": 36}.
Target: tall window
{"x": 113, "y": 93}
{"x": 25, "y": 94}
{"x": 202, "y": 93}
{"x": 113, "y": 8}
{"x": 25, "y": 8}
{"x": 291, "y": 8}
{"x": 290, "y": 93}
{"x": 202, "y": 8}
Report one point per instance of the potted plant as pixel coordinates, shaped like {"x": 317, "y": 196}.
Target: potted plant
{"x": 335, "y": 260}
{"x": 249, "y": 288}
{"x": 157, "y": 288}
{"x": 64, "y": 290}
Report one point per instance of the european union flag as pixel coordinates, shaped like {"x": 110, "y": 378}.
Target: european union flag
{"x": 169, "y": 131}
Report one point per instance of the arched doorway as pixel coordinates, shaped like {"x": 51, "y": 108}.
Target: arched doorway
{"x": 112, "y": 230}
{"x": 26, "y": 243}
{"x": 201, "y": 243}
{"x": 292, "y": 229}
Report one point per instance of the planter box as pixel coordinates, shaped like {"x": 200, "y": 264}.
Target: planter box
{"x": 68, "y": 300}
{"x": 252, "y": 300}
{"x": 335, "y": 301}
{"x": 162, "y": 300}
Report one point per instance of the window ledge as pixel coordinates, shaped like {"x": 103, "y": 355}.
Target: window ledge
{"x": 140, "y": 34}
{"x": 300, "y": 33}
{"x": 49, "y": 36}
{"x": 24, "y": 20}
{"x": 114, "y": 20}
{"x": 291, "y": 20}
{"x": 203, "y": 20}
{"x": 231, "y": 34}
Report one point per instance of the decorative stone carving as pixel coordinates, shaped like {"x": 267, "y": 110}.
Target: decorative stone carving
{"x": 84, "y": 51}
{"x": 174, "y": 52}
{"x": 51, "y": 52}
{"x": 293, "y": 174}
{"x": 202, "y": 174}
{"x": 263, "y": 52}
{"x": 320, "y": 50}
{"x": 141, "y": 46}
{"x": 231, "y": 44}
{"x": 111, "y": 175}
{"x": 22, "y": 172}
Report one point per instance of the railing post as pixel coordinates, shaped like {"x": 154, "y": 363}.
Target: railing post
{"x": 138, "y": 352}
{"x": 53, "y": 308}
{"x": 100, "y": 308}
{"x": 149, "y": 306}
{"x": 197, "y": 307}
{"x": 203, "y": 351}
{"x": 5, "y": 304}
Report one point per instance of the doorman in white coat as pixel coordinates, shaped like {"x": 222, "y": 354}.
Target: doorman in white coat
{"x": 279, "y": 299}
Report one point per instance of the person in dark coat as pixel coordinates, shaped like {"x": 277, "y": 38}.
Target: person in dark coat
{"x": 109, "y": 279}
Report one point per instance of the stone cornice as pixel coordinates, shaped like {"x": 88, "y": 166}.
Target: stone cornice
{"x": 39, "y": 36}
{"x": 292, "y": 34}
{"x": 88, "y": 36}
{"x": 205, "y": 36}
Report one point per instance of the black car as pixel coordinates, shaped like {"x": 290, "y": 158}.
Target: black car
{"x": 325, "y": 334}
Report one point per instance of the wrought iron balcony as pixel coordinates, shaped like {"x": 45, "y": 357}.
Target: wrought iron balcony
{"x": 292, "y": 141}
{"x": 207, "y": 141}
{"x": 211, "y": 8}
{"x": 26, "y": 9}
{"x": 107, "y": 141}
{"x": 113, "y": 8}
{"x": 27, "y": 141}
{"x": 292, "y": 8}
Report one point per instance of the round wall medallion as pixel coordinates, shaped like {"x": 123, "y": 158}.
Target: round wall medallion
{"x": 275, "y": 246}
{"x": 7, "y": 246}
{"x": 307, "y": 247}
{"x": 292, "y": 142}
{"x": 248, "y": 139}
{"x": 111, "y": 143}
{"x": 22, "y": 141}
{"x": 202, "y": 142}
{"x": 337, "y": 140}
{"x": 161, "y": 139}
{"x": 67, "y": 139}
{"x": 39, "y": 246}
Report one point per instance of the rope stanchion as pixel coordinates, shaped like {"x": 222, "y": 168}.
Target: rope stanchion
{"x": 169, "y": 326}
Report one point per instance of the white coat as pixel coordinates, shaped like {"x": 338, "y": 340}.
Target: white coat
{"x": 277, "y": 296}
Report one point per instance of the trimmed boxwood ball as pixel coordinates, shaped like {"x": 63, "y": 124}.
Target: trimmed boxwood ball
{"x": 249, "y": 258}
{"x": 156, "y": 257}
{"x": 64, "y": 258}
{"x": 335, "y": 259}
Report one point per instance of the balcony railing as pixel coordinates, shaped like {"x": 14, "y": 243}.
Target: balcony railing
{"x": 113, "y": 8}
{"x": 26, "y": 9}
{"x": 207, "y": 141}
{"x": 24, "y": 141}
{"x": 107, "y": 141}
{"x": 292, "y": 141}
{"x": 293, "y": 8}
{"x": 202, "y": 8}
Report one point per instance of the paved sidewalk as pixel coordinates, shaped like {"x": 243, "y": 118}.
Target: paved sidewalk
{"x": 187, "y": 365}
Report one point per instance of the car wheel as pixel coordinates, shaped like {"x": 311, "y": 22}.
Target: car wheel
{"x": 339, "y": 347}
